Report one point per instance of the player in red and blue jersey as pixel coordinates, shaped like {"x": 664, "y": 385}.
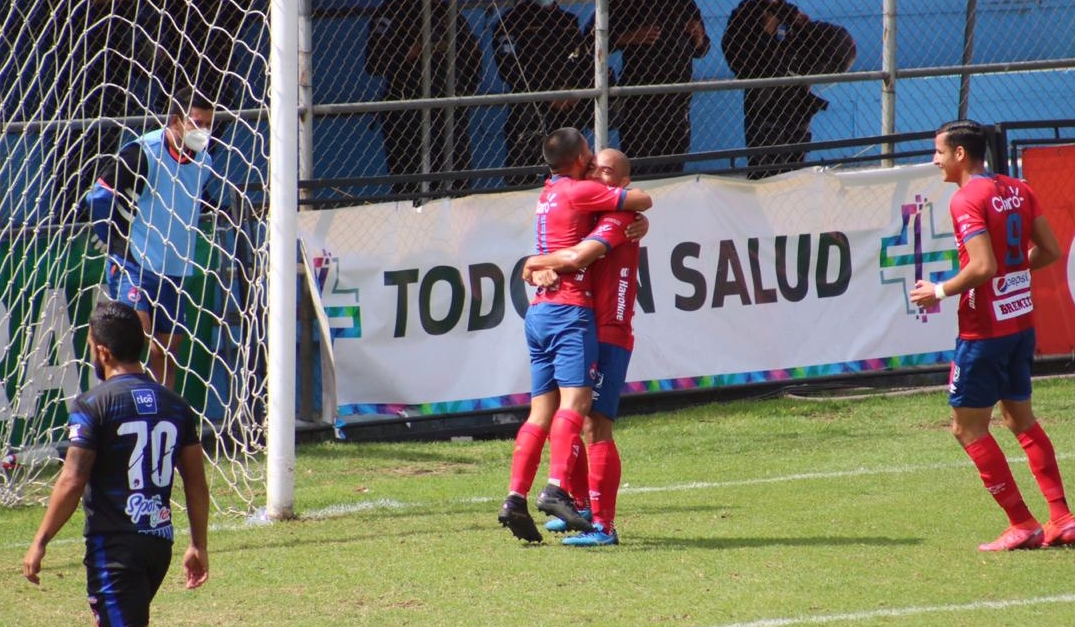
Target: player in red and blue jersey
{"x": 614, "y": 256}
{"x": 1001, "y": 237}
{"x": 128, "y": 437}
{"x": 560, "y": 332}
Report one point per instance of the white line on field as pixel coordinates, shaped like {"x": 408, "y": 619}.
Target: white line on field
{"x": 899, "y": 612}
{"x": 344, "y": 509}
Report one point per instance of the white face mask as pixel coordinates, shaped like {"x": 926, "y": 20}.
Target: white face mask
{"x": 196, "y": 139}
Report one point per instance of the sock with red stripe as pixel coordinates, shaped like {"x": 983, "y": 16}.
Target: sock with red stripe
{"x": 997, "y": 478}
{"x": 564, "y": 443}
{"x": 529, "y": 442}
{"x": 605, "y": 472}
{"x": 580, "y": 477}
{"x": 1041, "y": 457}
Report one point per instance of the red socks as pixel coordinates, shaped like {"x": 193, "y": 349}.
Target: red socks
{"x": 580, "y": 477}
{"x": 1042, "y": 461}
{"x": 605, "y": 470}
{"x": 529, "y": 442}
{"x": 997, "y": 478}
{"x": 564, "y": 445}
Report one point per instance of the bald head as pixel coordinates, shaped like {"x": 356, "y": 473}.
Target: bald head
{"x": 612, "y": 167}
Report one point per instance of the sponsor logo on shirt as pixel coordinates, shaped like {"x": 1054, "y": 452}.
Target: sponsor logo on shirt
{"x": 1013, "y": 307}
{"x": 1012, "y": 282}
{"x": 145, "y": 401}
{"x": 139, "y": 507}
{"x": 74, "y": 432}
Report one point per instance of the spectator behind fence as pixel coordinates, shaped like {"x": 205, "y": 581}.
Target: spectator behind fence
{"x": 540, "y": 47}
{"x": 194, "y": 48}
{"x": 394, "y": 51}
{"x": 659, "y": 41}
{"x": 773, "y": 38}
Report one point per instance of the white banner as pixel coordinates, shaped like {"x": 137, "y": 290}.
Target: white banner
{"x": 801, "y": 275}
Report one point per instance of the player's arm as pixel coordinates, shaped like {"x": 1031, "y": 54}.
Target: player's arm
{"x": 66, "y": 494}
{"x": 1045, "y": 249}
{"x": 981, "y": 266}
{"x": 636, "y": 200}
{"x": 568, "y": 259}
{"x": 196, "y": 491}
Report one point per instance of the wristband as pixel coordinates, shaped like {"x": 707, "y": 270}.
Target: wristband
{"x": 938, "y": 291}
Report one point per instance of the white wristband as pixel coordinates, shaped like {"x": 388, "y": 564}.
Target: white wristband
{"x": 938, "y": 291}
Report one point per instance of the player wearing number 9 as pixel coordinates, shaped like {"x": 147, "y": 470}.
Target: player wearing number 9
{"x": 1001, "y": 237}
{"x": 128, "y": 437}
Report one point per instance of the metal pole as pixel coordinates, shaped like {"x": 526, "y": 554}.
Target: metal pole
{"x": 427, "y": 74}
{"x": 306, "y": 173}
{"x": 449, "y": 88}
{"x": 283, "y": 204}
{"x": 888, "y": 80}
{"x": 600, "y": 119}
{"x": 968, "y": 57}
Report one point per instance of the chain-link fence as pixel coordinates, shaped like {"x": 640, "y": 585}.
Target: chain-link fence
{"x": 834, "y": 74}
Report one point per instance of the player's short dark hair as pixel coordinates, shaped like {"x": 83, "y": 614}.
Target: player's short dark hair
{"x": 562, "y": 147}
{"x": 116, "y": 326}
{"x": 185, "y": 99}
{"x": 966, "y": 133}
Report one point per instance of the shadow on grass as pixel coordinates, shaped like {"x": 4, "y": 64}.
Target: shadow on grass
{"x": 666, "y": 542}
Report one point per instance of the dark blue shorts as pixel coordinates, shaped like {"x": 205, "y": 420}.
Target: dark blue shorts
{"x": 154, "y": 294}
{"x": 612, "y": 362}
{"x": 123, "y": 573}
{"x": 987, "y": 371}
{"x": 563, "y": 347}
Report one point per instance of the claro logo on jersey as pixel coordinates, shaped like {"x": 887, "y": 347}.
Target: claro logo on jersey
{"x": 1012, "y": 282}
{"x": 145, "y": 401}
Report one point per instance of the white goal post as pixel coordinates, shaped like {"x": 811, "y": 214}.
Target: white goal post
{"x": 78, "y": 80}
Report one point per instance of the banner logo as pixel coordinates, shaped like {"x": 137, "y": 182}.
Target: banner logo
{"x": 912, "y": 255}
{"x": 344, "y": 320}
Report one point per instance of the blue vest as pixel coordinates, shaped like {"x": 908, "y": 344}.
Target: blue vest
{"x": 164, "y": 229}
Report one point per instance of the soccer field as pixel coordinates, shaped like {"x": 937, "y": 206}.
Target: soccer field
{"x": 768, "y": 513}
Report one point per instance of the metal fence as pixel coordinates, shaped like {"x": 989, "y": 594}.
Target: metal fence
{"x": 438, "y": 97}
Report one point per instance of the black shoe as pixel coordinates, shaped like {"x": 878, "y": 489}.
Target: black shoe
{"x": 555, "y": 502}
{"x": 515, "y": 516}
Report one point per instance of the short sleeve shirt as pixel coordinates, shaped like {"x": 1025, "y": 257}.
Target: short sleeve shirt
{"x": 615, "y": 280}
{"x": 566, "y": 213}
{"x": 137, "y": 428}
{"x": 1003, "y": 209}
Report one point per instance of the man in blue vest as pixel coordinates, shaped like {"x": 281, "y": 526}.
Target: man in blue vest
{"x": 145, "y": 207}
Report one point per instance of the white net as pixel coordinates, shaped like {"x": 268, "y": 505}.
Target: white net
{"x": 79, "y": 79}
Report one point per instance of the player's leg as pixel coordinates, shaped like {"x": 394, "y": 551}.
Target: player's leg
{"x": 123, "y": 574}
{"x": 169, "y": 321}
{"x": 574, "y": 350}
{"x": 973, "y": 390}
{"x": 605, "y": 464}
{"x": 1041, "y": 456}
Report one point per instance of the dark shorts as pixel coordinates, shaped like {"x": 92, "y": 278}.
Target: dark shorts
{"x": 612, "y": 364}
{"x": 563, "y": 347}
{"x": 154, "y": 294}
{"x": 123, "y": 573}
{"x": 987, "y": 371}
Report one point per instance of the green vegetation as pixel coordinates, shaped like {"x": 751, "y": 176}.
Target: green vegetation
{"x": 779, "y": 512}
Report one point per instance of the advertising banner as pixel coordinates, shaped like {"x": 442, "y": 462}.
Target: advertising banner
{"x": 800, "y": 276}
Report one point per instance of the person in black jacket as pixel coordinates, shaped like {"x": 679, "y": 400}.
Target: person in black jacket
{"x": 540, "y": 47}
{"x": 659, "y": 41}
{"x": 773, "y": 38}
{"x": 394, "y": 51}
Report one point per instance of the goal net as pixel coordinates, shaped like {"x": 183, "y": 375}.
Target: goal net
{"x": 78, "y": 80}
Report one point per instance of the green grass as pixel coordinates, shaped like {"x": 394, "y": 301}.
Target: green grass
{"x": 780, "y": 512}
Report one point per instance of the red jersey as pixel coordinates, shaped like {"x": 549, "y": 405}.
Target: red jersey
{"x": 615, "y": 281}
{"x": 566, "y": 212}
{"x": 1002, "y": 209}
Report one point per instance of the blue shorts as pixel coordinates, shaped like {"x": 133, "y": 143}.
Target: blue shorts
{"x": 563, "y": 347}
{"x": 612, "y": 361}
{"x": 156, "y": 295}
{"x": 987, "y": 371}
{"x": 123, "y": 573}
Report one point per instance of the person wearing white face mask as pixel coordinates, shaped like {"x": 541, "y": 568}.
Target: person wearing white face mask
{"x": 145, "y": 207}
